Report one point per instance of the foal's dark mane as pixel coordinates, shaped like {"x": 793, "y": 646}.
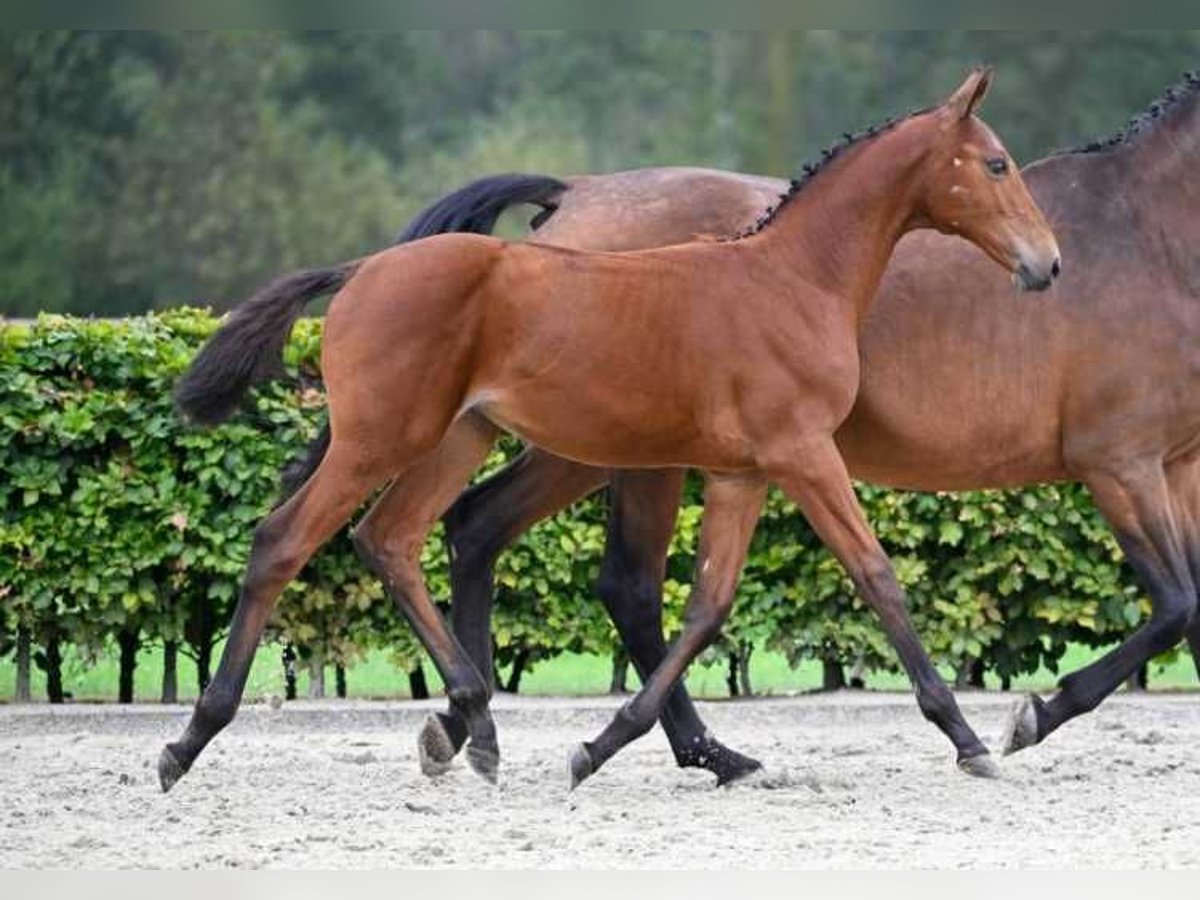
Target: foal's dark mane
{"x": 1173, "y": 97}
{"x": 810, "y": 170}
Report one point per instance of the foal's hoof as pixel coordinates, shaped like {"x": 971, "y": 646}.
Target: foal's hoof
{"x": 580, "y": 765}
{"x": 1022, "y": 728}
{"x": 435, "y": 749}
{"x": 981, "y": 766}
{"x": 170, "y": 770}
{"x": 484, "y": 761}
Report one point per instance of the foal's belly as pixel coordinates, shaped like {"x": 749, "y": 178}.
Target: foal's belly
{"x": 606, "y": 435}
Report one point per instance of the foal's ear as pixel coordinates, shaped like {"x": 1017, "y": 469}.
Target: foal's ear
{"x": 970, "y": 94}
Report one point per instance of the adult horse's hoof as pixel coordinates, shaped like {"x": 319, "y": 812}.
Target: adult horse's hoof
{"x": 484, "y": 761}
{"x": 580, "y": 765}
{"x": 170, "y": 770}
{"x": 435, "y": 749}
{"x": 981, "y": 766}
{"x": 1022, "y": 728}
{"x": 728, "y": 765}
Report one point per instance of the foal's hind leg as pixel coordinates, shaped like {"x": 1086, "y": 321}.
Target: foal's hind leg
{"x": 283, "y": 543}
{"x": 731, "y": 509}
{"x": 1137, "y": 503}
{"x": 390, "y": 538}
{"x": 641, "y": 521}
{"x": 483, "y": 521}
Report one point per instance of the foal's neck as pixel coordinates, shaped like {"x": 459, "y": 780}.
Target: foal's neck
{"x": 839, "y": 231}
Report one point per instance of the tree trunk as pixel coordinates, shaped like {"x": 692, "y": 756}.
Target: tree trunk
{"x": 513, "y": 685}
{"x": 418, "y": 688}
{"x": 24, "y": 666}
{"x": 170, "y": 678}
{"x": 1139, "y": 680}
{"x": 1005, "y": 682}
{"x": 128, "y": 643}
{"x": 781, "y": 114}
{"x": 977, "y": 672}
{"x": 289, "y": 672}
{"x": 620, "y": 673}
{"x": 833, "y": 678}
{"x": 731, "y": 675}
{"x": 724, "y": 121}
{"x": 744, "y": 670}
{"x": 316, "y": 676}
{"x": 53, "y": 666}
{"x": 204, "y": 651}
{"x": 858, "y": 673}
{"x": 339, "y": 681}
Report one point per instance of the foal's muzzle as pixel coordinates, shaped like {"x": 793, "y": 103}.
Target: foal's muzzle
{"x": 1039, "y": 275}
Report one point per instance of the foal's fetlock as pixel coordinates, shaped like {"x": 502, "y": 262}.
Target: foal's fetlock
{"x": 706, "y": 752}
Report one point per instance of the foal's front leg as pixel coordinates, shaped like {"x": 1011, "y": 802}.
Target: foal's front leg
{"x": 731, "y": 508}
{"x": 817, "y": 481}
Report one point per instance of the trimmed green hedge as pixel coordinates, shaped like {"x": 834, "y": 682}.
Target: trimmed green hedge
{"x": 121, "y": 523}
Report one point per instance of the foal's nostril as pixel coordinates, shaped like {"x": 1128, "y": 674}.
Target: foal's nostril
{"x": 1056, "y": 268}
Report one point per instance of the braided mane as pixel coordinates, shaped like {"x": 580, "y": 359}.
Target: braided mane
{"x": 809, "y": 171}
{"x": 1146, "y": 121}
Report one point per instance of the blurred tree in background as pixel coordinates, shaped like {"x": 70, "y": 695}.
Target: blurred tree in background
{"x": 148, "y": 169}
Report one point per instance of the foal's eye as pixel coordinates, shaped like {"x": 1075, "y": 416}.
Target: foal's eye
{"x": 998, "y": 166}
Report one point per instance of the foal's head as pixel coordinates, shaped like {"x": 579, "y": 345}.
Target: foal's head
{"x": 972, "y": 188}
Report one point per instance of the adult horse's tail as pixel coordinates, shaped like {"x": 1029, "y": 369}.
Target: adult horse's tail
{"x": 473, "y": 208}
{"x": 249, "y": 346}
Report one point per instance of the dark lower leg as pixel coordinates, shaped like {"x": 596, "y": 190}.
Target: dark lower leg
{"x": 731, "y": 510}
{"x": 641, "y": 522}
{"x": 282, "y": 544}
{"x": 883, "y": 593}
{"x": 1138, "y": 505}
{"x": 818, "y": 482}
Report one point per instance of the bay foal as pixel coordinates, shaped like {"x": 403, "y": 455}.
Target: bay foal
{"x": 737, "y": 358}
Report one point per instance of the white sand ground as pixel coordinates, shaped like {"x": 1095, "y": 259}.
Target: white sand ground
{"x": 852, "y": 780}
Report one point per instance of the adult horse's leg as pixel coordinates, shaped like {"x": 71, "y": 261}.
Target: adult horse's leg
{"x": 641, "y": 521}
{"x": 283, "y": 543}
{"x": 390, "y": 539}
{"x": 731, "y": 509}
{"x": 481, "y": 523}
{"x": 1183, "y": 483}
{"x": 489, "y": 516}
{"x": 1137, "y": 503}
{"x": 817, "y": 481}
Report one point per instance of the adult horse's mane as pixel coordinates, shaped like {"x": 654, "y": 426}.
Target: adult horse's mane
{"x": 1148, "y": 119}
{"x": 810, "y": 170}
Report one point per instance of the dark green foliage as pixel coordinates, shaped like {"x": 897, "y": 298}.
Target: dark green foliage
{"x": 119, "y": 519}
{"x": 146, "y": 169}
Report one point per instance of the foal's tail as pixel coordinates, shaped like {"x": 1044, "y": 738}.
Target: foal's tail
{"x": 249, "y": 346}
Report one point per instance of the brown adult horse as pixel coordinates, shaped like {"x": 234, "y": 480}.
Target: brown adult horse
{"x": 958, "y": 390}
{"x": 738, "y": 358}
